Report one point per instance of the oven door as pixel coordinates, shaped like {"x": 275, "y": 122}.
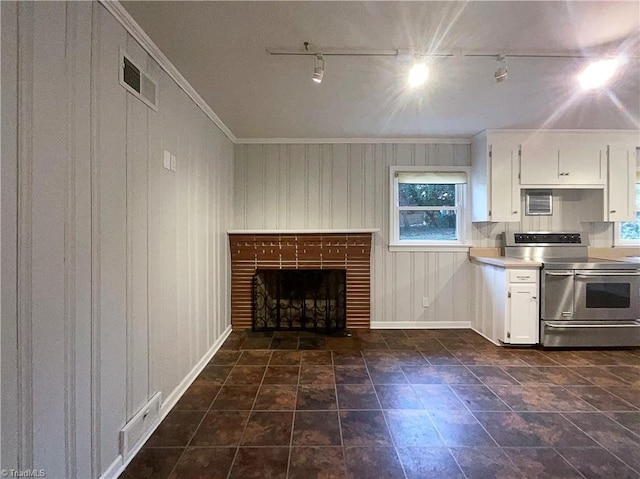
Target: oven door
{"x": 557, "y": 292}
{"x": 607, "y": 295}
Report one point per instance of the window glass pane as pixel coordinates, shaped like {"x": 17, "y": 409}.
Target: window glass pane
{"x": 630, "y": 230}
{"x": 423, "y": 225}
{"x": 426, "y": 195}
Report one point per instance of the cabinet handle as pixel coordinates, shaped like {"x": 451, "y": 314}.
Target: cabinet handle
{"x": 515, "y": 212}
{"x": 612, "y": 211}
{"x": 534, "y": 297}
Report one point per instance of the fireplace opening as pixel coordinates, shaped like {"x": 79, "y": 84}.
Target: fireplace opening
{"x": 306, "y": 300}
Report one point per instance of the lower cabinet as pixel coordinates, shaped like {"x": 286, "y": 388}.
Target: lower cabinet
{"x": 522, "y": 323}
{"x": 507, "y": 305}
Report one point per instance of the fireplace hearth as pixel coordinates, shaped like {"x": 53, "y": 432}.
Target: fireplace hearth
{"x": 304, "y": 300}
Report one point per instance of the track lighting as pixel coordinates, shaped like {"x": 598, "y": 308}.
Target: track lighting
{"x": 318, "y": 71}
{"x": 598, "y": 73}
{"x": 501, "y": 73}
{"x": 593, "y": 76}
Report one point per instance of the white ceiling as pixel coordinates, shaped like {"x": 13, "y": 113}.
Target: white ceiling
{"x": 221, "y": 49}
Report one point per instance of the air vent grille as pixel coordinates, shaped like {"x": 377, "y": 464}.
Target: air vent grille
{"x": 136, "y": 82}
{"x": 538, "y": 203}
{"x": 131, "y": 75}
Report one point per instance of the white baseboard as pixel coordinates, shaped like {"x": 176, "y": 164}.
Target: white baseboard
{"x": 118, "y": 466}
{"x": 485, "y": 336}
{"x": 114, "y": 470}
{"x": 180, "y": 389}
{"x": 420, "y": 324}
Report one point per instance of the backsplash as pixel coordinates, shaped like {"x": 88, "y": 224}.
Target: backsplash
{"x": 573, "y": 210}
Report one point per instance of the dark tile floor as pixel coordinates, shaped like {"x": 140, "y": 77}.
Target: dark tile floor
{"x": 410, "y": 404}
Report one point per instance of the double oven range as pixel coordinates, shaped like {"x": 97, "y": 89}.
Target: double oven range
{"x": 584, "y": 302}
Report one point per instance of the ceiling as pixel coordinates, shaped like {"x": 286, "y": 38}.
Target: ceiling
{"x": 221, "y": 49}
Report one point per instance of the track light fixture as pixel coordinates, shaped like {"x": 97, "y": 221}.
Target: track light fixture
{"x": 594, "y": 76}
{"x": 501, "y": 73}
{"x": 318, "y": 71}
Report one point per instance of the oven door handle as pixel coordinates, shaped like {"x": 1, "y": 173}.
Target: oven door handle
{"x": 592, "y": 275}
{"x": 600, "y": 325}
{"x": 568, "y": 273}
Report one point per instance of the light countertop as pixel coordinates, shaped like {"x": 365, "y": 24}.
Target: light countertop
{"x": 505, "y": 262}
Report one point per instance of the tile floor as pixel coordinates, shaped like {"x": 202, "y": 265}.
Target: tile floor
{"x": 391, "y": 404}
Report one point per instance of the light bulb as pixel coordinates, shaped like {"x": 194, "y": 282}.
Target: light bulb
{"x": 598, "y": 73}
{"x": 418, "y": 74}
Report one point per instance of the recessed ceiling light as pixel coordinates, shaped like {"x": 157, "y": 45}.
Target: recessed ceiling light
{"x": 597, "y": 74}
{"x": 418, "y": 74}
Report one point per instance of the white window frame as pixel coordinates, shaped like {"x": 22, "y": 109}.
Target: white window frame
{"x": 617, "y": 240}
{"x": 463, "y": 216}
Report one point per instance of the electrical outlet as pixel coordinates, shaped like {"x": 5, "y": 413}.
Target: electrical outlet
{"x": 167, "y": 160}
{"x": 425, "y": 302}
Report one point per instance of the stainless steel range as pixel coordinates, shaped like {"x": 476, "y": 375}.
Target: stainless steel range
{"x": 584, "y": 302}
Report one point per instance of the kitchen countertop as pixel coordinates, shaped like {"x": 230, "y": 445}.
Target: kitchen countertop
{"x": 506, "y": 262}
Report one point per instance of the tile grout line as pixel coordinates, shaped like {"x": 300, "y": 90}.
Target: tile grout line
{"x": 384, "y": 416}
{"x": 293, "y": 415}
{"x": 342, "y": 445}
{"x": 204, "y": 416}
{"x": 244, "y": 429}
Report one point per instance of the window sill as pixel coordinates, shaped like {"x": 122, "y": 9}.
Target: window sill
{"x": 439, "y": 248}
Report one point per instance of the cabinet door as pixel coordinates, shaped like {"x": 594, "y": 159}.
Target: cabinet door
{"x": 621, "y": 186}
{"x": 581, "y": 160}
{"x": 504, "y": 187}
{"x": 539, "y": 161}
{"x": 523, "y": 313}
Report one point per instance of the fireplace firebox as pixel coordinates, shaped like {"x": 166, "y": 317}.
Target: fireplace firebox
{"x": 307, "y": 300}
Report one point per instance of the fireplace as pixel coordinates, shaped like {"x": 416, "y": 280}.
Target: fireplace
{"x": 348, "y": 252}
{"x": 307, "y": 300}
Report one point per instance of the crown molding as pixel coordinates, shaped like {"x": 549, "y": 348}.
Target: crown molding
{"x": 295, "y": 141}
{"x": 118, "y": 11}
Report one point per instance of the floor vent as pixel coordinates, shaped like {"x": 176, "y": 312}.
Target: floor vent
{"x": 145, "y": 420}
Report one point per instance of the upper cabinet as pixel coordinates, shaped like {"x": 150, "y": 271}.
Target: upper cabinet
{"x": 506, "y": 161}
{"x": 556, "y": 159}
{"x": 494, "y": 178}
{"x": 621, "y": 160}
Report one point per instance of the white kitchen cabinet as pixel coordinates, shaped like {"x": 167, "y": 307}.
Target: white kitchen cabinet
{"x": 621, "y": 183}
{"x": 522, "y": 324}
{"x": 495, "y": 189}
{"x": 506, "y": 302}
{"x": 550, "y": 159}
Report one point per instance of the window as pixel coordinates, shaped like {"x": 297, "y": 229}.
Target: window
{"x": 428, "y": 207}
{"x": 628, "y": 232}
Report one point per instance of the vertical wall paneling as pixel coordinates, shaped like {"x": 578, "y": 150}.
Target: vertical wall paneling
{"x": 10, "y": 412}
{"x": 347, "y": 186}
{"x": 48, "y": 222}
{"x": 78, "y": 240}
{"x": 24, "y": 264}
{"x": 136, "y": 208}
{"x": 271, "y": 185}
{"x": 111, "y": 164}
{"x": 120, "y": 268}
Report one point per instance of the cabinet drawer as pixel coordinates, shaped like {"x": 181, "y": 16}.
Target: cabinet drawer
{"x": 522, "y": 276}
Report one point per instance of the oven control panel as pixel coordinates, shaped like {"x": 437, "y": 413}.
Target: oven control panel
{"x": 547, "y": 238}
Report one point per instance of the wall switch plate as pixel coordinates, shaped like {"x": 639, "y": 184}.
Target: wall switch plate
{"x": 425, "y": 302}
{"x": 174, "y": 163}
{"x": 166, "y": 161}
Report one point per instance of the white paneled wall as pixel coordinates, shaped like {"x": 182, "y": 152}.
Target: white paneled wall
{"x": 347, "y": 186}
{"x": 122, "y": 266}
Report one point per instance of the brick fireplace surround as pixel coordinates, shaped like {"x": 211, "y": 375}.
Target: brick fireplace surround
{"x": 349, "y": 251}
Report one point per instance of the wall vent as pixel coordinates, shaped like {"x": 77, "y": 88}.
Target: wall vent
{"x": 136, "y": 82}
{"x": 538, "y": 203}
{"x": 140, "y": 426}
